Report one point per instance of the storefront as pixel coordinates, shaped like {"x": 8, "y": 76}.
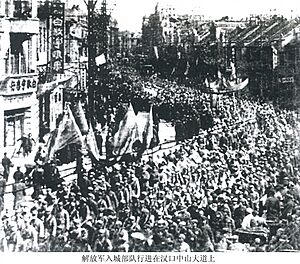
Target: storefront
{"x": 13, "y": 126}
{"x": 18, "y": 113}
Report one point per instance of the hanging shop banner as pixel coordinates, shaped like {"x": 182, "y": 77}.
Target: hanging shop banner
{"x": 57, "y": 18}
{"x": 287, "y": 80}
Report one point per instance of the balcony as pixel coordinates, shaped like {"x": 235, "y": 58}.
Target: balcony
{"x": 22, "y": 16}
{"x": 29, "y": 26}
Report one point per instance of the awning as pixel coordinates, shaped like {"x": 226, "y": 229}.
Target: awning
{"x": 49, "y": 86}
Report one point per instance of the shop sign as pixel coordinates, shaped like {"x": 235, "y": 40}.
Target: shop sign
{"x": 23, "y": 84}
{"x": 287, "y": 80}
{"x": 57, "y": 18}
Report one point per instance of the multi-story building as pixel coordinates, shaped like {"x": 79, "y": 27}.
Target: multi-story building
{"x": 129, "y": 42}
{"x": 166, "y": 28}
{"x": 113, "y": 37}
{"x": 168, "y": 17}
{"x": 19, "y": 29}
{"x": 152, "y": 33}
{"x": 267, "y": 52}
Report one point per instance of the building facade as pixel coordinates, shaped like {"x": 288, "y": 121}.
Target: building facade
{"x": 268, "y": 52}
{"x": 129, "y": 42}
{"x": 19, "y": 28}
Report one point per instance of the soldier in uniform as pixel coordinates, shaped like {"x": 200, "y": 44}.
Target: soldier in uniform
{"x": 38, "y": 181}
{"x": 6, "y": 163}
{"x": 19, "y": 192}
{"x": 2, "y": 191}
{"x": 29, "y": 237}
{"x": 37, "y": 224}
{"x": 103, "y": 243}
{"x": 63, "y": 217}
{"x": 18, "y": 175}
{"x": 50, "y": 225}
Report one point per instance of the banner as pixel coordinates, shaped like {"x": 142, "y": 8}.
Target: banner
{"x": 233, "y": 71}
{"x": 219, "y": 88}
{"x": 288, "y": 38}
{"x": 57, "y": 24}
{"x": 156, "y": 52}
{"x": 67, "y": 133}
{"x": 275, "y": 57}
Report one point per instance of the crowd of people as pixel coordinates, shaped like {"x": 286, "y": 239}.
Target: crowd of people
{"x": 231, "y": 185}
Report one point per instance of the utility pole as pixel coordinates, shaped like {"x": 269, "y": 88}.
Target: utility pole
{"x": 97, "y": 44}
{"x": 102, "y": 28}
{"x": 91, "y": 39}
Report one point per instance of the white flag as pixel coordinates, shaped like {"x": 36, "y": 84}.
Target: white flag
{"x": 156, "y": 52}
{"x": 100, "y": 60}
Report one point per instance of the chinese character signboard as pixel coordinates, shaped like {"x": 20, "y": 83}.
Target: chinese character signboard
{"x": 22, "y": 84}
{"x": 287, "y": 80}
{"x": 57, "y": 40}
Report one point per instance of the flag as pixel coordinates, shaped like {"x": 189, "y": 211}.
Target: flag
{"x": 178, "y": 36}
{"x": 233, "y": 71}
{"x": 127, "y": 134}
{"x": 67, "y": 133}
{"x": 156, "y": 52}
{"x": 179, "y": 55}
{"x": 219, "y": 75}
{"x": 173, "y": 71}
{"x": 149, "y": 129}
{"x": 187, "y": 68}
{"x": 100, "y": 60}
{"x": 288, "y": 38}
{"x": 207, "y": 84}
{"x": 91, "y": 144}
{"x": 80, "y": 118}
{"x": 195, "y": 32}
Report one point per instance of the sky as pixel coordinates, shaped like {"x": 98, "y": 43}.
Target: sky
{"x": 129, "y": 13}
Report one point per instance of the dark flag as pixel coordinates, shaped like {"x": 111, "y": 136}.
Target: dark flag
{"x": 66, "y": 134}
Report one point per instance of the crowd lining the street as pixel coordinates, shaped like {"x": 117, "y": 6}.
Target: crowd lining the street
{"x": 231, "y": 183}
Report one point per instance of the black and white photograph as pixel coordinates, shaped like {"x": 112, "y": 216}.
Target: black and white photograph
{"x": 149, "y": 131}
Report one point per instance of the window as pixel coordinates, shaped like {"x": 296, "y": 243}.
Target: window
{"x": 20, "y": 54}
{"x": 17, "y": 62}
{"x": 22, "y": 9}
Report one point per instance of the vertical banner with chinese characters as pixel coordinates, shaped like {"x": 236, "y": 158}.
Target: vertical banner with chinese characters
{"x": 57, "y": 13}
